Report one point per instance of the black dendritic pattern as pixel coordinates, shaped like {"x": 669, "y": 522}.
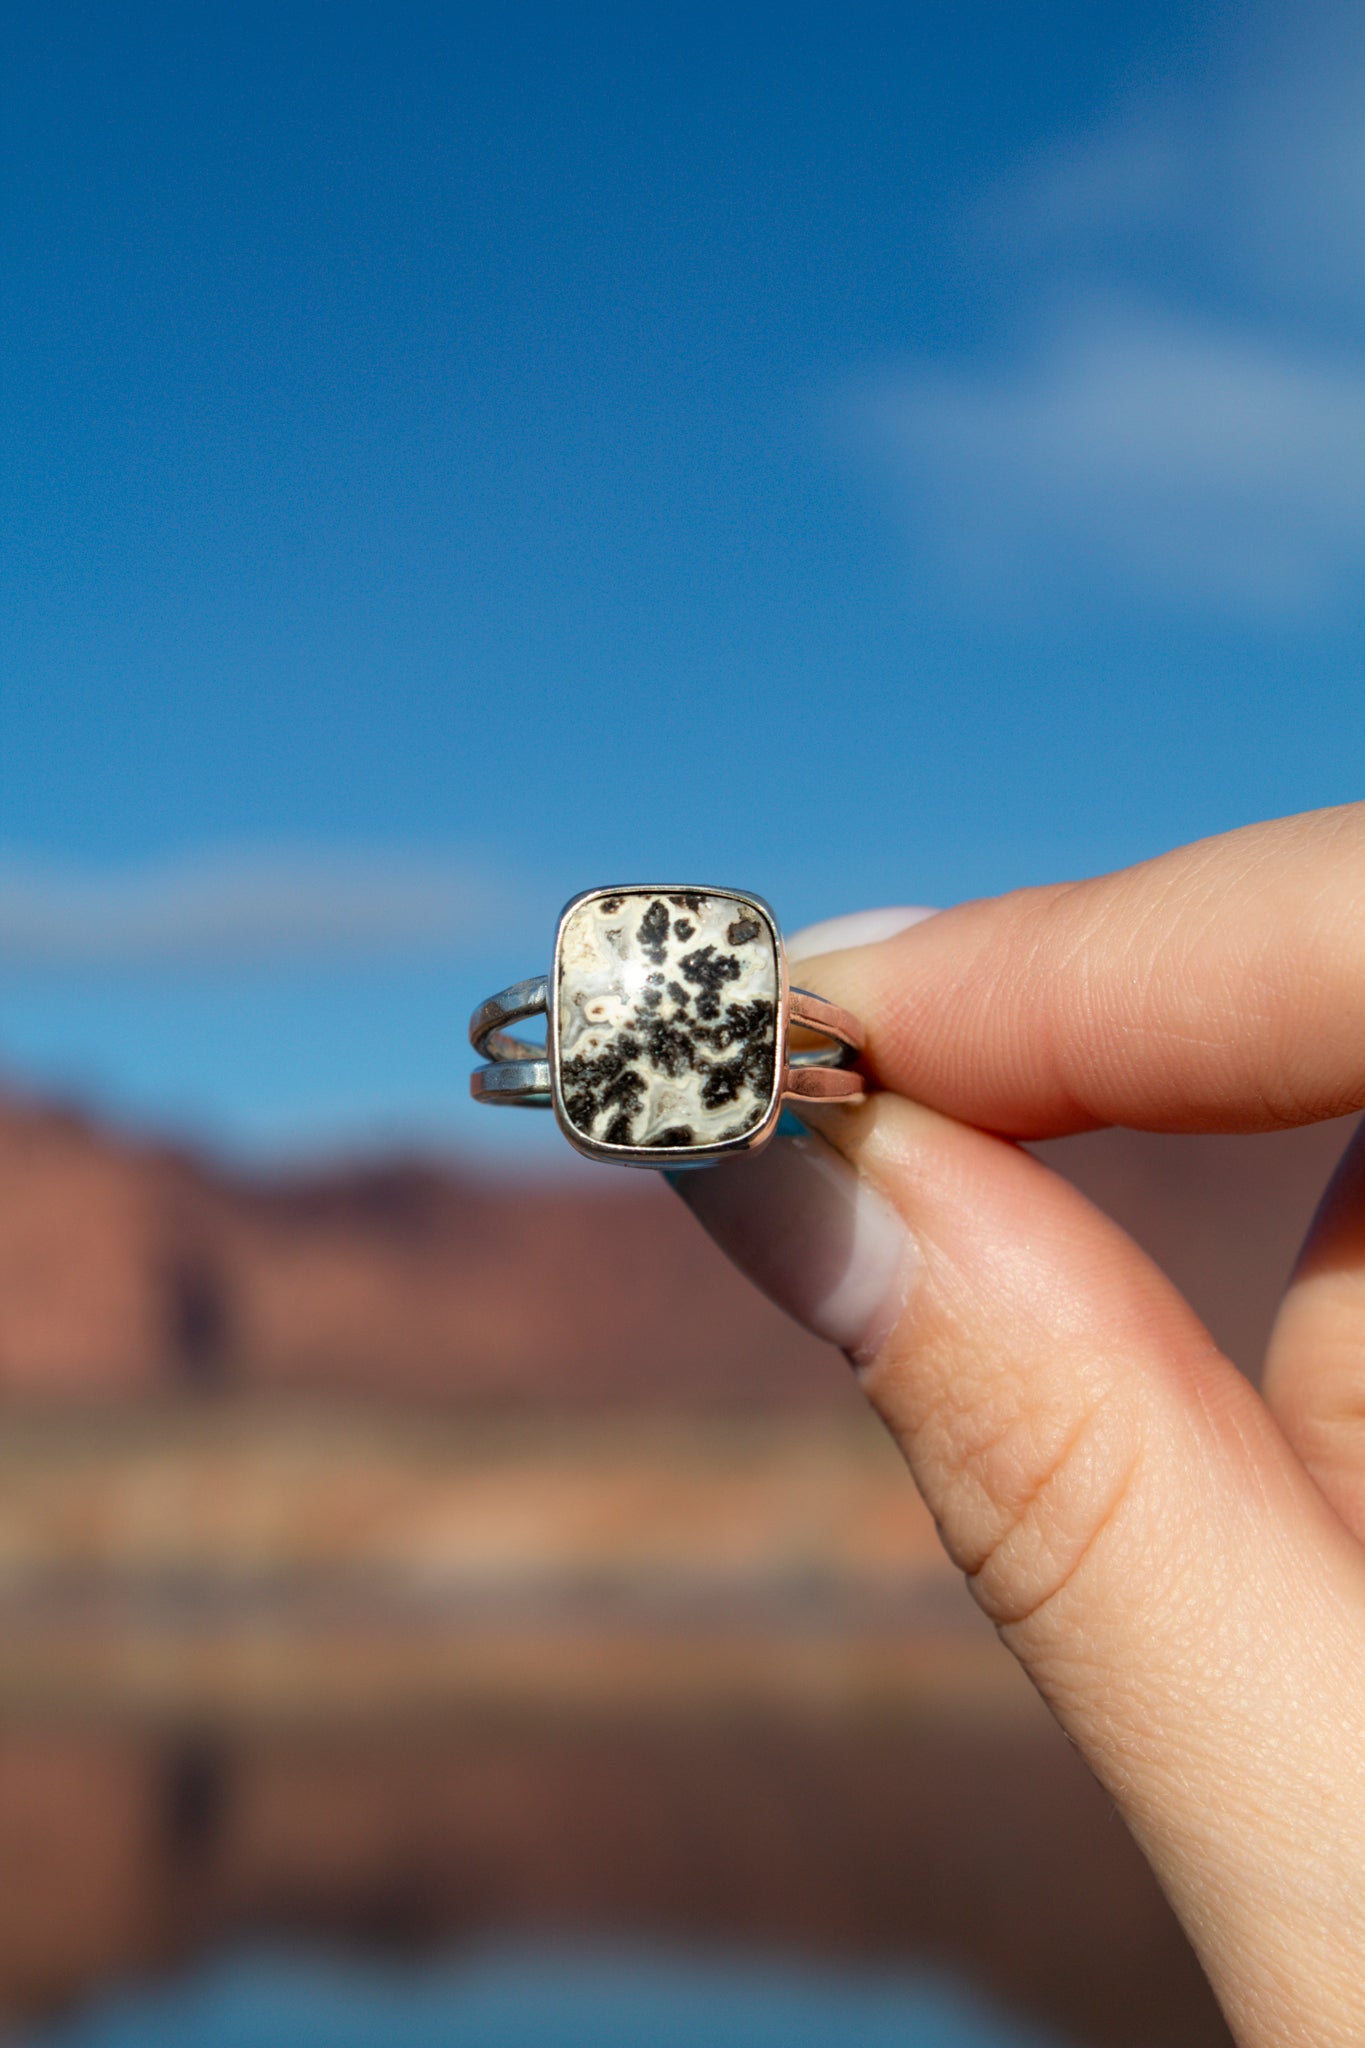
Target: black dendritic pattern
{"x": 668, "y": 1027}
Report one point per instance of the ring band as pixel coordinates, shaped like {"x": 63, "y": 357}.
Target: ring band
{"x": 670, "y": 1019}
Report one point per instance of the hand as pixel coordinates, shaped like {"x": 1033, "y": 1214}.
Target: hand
{"x": 1177, "y": 1560}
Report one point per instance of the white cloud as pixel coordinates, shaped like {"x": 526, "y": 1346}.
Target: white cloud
{"x": 1082, "y": 196}
{"x": 1182, "y": 420}
{"x": 1148, "y": 454}
{"x": 1255, "y": 174}
{"x": 244, "y": 908}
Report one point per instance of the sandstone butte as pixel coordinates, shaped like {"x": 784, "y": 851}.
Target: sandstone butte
{"x": 132, "y": 1268}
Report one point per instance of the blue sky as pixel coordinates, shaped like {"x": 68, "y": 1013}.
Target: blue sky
{"x": 456, "y": 456}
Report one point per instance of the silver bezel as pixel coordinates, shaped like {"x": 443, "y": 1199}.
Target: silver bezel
{"x": 663, "y": 1157}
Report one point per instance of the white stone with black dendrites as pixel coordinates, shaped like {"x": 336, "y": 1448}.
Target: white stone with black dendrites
{"x": 667, "y": 1019}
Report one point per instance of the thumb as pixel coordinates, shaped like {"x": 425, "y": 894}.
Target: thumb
{"x": 1125, "y": 1509}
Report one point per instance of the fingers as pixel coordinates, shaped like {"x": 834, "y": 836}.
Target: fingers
{"x": 1221, "y": 987}
{"x": 1315, "y": 1367}
{"x": 1126, "y": 1510}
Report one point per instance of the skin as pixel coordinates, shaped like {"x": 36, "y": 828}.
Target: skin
{"x": 1177, "y": 1559}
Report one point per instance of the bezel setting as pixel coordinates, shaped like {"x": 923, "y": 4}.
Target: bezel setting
{"x": 669, "y": 1157}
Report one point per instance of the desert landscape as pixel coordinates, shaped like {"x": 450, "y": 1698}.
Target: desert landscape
{"x": 397, "y": 1555}
{"x": 133, "y": 1268}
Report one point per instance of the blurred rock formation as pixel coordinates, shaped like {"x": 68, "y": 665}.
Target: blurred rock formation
{"x": 130, "y": 1268}
{"x": 562, "y": 1659}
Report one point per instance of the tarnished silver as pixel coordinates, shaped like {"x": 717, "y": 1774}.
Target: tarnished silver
{"x": 510, "y": 1006}
{"x": 524, "y": 1084}
{"x": 522, "y": 1074}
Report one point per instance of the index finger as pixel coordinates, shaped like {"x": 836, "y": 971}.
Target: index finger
{"x": 1217, "y": 988}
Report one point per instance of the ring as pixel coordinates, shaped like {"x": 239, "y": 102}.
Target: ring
{"x": 670, "y": 1026}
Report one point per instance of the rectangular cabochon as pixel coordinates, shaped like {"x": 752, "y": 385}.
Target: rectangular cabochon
{"x": 667, "y": 1019}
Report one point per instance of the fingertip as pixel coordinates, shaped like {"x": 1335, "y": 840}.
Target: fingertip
{"x": 813, "y": 1234}
{"x": 855, "y": 928}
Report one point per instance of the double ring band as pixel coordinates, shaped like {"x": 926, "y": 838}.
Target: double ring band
{"x": 673, "y": 1036}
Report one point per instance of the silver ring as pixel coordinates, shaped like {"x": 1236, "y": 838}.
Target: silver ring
{"x": 669, "y": 1033}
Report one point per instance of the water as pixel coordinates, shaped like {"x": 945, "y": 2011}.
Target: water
{"x": 535, "y": 1998}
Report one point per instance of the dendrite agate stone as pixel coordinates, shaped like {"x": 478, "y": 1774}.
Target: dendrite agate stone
{"x": 667, "y": 1019}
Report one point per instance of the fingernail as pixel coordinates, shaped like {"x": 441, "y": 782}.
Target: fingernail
{"x": 822, "y": 1243}
{"x": 858, "y": 928}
